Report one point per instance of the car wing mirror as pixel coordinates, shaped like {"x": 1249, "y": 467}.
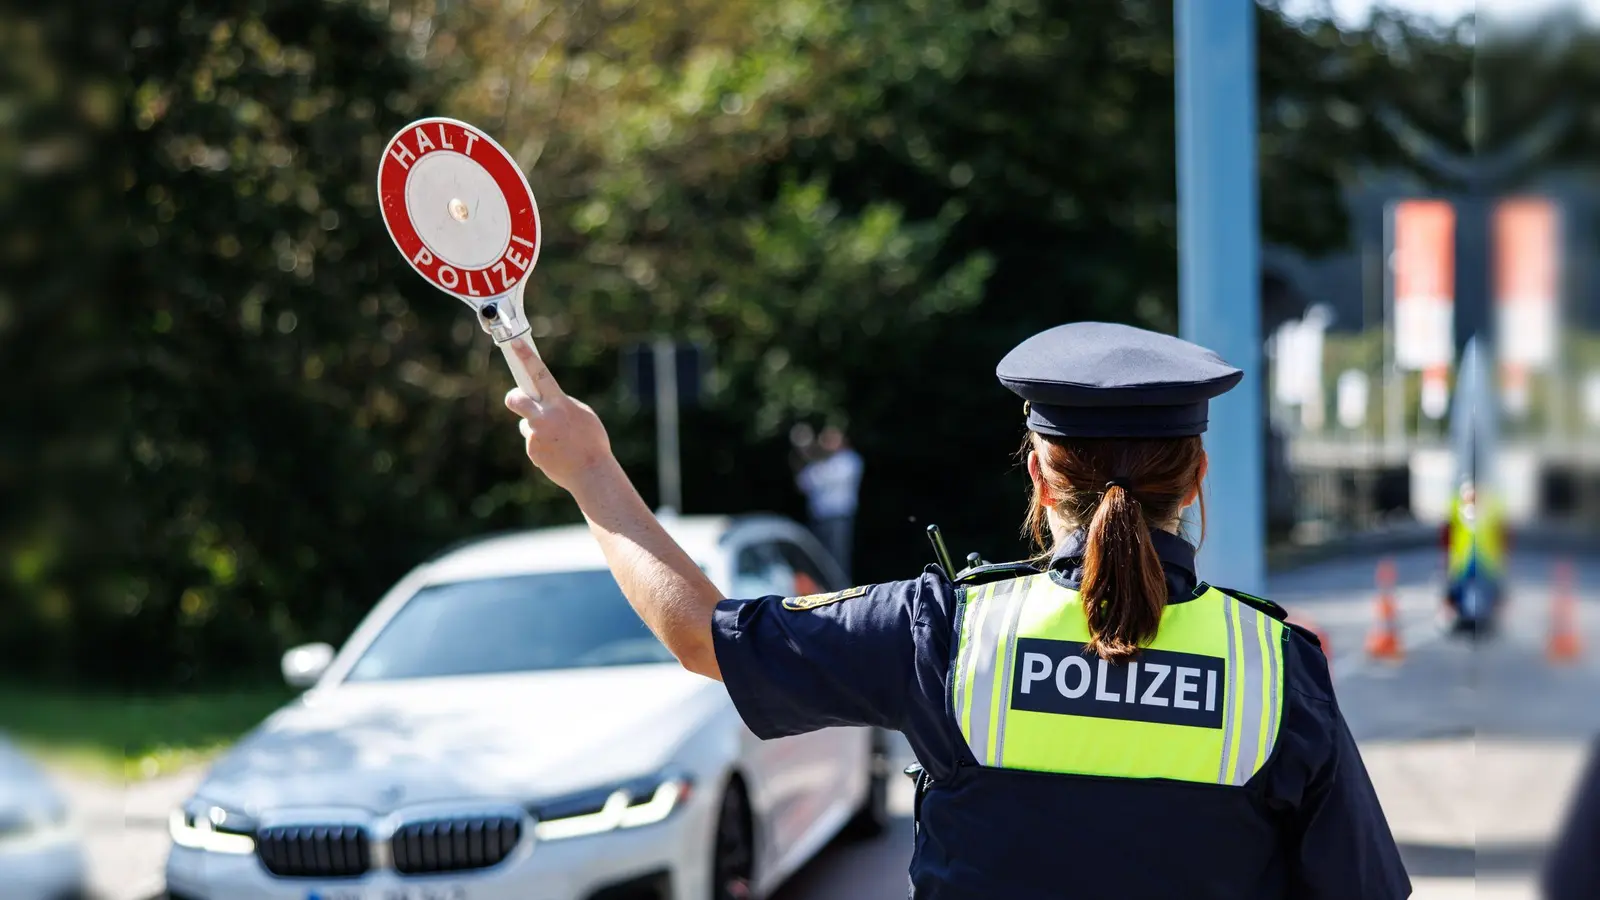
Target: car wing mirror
{"x": 304, "y": 665}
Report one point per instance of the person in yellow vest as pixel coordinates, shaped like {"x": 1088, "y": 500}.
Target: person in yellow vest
{"x": 1476, "y": 561}
{"x": 1097, "y": 722}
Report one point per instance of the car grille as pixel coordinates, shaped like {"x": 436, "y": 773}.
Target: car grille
{"x": 451, "y": 845}
{"x": 314, "y": 851}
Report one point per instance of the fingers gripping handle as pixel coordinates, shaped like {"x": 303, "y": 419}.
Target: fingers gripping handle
{"x": 523, "y": 358}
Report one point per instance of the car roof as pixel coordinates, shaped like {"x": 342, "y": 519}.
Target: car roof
{"x": 566, "y": 548}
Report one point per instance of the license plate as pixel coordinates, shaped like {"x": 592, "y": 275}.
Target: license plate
{"x": 410, "y": 892}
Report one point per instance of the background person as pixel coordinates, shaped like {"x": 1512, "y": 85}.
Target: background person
{"x": 1476, "y": 559}
{"x": 831, "y": 482}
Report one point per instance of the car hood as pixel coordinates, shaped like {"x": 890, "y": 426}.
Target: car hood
{"x": 527, "y": 736}
{"x": 23, "y": 785}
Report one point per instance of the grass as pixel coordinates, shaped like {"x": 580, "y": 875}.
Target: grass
{"x": 131, "y": 737}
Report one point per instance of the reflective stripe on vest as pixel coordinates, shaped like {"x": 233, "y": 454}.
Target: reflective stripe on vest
{"x": 1481, "y": 538}
{"x": 1201, "y": 703}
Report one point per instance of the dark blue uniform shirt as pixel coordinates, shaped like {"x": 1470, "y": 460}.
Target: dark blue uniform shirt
{"x": 1308, "y": 825}
{"x": 1572, "y": 868}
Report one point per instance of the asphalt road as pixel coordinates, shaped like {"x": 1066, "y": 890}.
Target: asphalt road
{"x": 1473, "y": 749}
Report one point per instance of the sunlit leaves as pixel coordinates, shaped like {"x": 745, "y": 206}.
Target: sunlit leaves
{"x": 245, "y": 415}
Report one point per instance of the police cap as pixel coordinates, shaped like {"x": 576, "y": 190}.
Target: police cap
{"x": 1100, "y": 380}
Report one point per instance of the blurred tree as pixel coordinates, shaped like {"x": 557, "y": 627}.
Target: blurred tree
{"x": 236, "y": 415}
{"x": 202, "y": 311}
{"x": 661, "y": 141}
{"x": 1033, "y": 139}
{"x": 1057, "y": 137}
{"x": 285, "y": 417}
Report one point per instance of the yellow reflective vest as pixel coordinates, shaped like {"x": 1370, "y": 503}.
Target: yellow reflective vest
{"x": 1201, "y": 704}
{"x": 1476, "y": 533}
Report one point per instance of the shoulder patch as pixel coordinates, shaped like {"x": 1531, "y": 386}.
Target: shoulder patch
{"x": 995, "y": 572}
{"x": 1260, "y": 603}
{"x": 812, "y": 601}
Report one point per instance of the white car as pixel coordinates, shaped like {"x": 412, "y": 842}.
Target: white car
{"x": 41, "y": 855}
{"x": 502, "y": 727}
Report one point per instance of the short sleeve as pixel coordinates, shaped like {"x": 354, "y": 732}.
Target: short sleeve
{"x": 843, "y": 659}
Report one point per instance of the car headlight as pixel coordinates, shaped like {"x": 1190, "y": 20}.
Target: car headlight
{"x": 642, "y": 801}
{"x": 199, "y": 825}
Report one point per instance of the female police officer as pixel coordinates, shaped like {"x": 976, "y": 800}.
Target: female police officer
{"x": 1104, "y": 725}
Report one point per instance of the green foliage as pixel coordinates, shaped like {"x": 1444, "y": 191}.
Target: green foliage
{"x": 119, "y": 737}
{"x": 212, "y": 340}
{"x": 244, "y": 416}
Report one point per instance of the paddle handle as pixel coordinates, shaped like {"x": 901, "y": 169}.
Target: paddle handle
{"x": 522, "y": 356}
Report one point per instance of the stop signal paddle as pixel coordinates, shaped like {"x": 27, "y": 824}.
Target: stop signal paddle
{"x": 461, "y": 212}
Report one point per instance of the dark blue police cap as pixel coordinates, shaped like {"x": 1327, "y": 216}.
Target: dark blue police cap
{"x": 1094, "y": 379}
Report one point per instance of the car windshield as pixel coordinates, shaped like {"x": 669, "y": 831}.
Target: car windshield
{"x": 552, "y": 620}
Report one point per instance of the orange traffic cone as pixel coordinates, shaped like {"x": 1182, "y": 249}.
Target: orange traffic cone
{"x": 1384, "y": 640}
{"x": 1564, "y": 644}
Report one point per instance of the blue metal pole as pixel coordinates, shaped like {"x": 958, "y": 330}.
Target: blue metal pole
{"x": 1219, "y": 269}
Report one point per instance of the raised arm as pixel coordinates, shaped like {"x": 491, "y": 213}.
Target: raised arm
{"x": 676, "y": 600}
{"x": 791, "y": 665}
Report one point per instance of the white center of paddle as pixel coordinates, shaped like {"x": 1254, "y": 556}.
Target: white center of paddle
{"x": 458, "y": 210}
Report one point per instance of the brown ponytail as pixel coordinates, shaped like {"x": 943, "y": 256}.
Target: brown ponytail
{"x": 1118, "y": 490}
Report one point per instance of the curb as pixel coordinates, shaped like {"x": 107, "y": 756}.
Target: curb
{"x": 1383, "y": 540}
{"x": 1556, "y": 538}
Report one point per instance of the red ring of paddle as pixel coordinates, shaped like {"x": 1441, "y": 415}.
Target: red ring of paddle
{"x": 438, "y": 135}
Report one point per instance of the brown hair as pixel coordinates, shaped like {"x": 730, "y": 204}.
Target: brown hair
{"x": 1124, "y": 588}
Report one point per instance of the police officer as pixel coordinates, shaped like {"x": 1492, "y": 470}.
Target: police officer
{"x": 1098, "y": 724}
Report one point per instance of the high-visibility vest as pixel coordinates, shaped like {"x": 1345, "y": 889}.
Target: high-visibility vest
{"x": 1202, "y": 703}
{"x": 1478, "y": 536}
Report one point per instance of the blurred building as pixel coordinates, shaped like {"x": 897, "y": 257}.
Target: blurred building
{"x": 1367, "y": 441}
